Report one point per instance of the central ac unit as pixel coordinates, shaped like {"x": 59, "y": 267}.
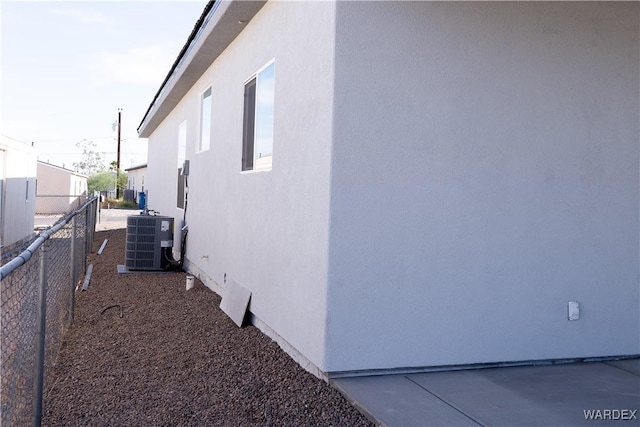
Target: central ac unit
{"x": 149, "y": 242}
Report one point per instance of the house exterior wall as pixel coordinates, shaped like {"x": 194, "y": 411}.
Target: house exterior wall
{"x": 54, "y": 182}
{"x": 78, "y": 184}
{"x": 266, "y": 231}
{"x": 18, "y": 189}
{"x": 135, "y": 178}
{"x": 485, "y": 171}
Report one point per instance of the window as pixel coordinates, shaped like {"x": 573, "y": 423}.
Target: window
{"x": 205, "y": 120}
{"x": 257, "y": 134}
{"x": 182, "y": 143}
{"x": 182, "y": 149}
{"x": 26, "y": 193}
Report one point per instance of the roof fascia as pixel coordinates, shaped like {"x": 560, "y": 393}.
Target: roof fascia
{"x": 219, "y": 26}
{"x": 136, "y": 168}
{"x": 60, "y": 168}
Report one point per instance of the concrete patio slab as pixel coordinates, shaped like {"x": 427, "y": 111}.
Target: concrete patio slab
{"x": 535, "y": 396}
{"x": 551, "y": 395}
{"x": 632, "y": 365}
{"x": 394, "y": 400}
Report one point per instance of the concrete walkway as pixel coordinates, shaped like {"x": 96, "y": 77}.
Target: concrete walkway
{"x": 111, "y": 219}
{"x": 553, "y": 395}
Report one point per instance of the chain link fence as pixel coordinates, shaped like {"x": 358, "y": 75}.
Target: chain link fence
{"x": 50, "y": 208}
{"x": 36, "y": 306}
{"x": 14, "y": 249}
{"x": 52, "y": 204}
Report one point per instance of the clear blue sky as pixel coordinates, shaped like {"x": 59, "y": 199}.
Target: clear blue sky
{"x": 68, "y": 66}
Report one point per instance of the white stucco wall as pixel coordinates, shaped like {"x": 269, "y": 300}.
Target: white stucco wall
{"x": 485, "y": 172}
{"x": 17, "y": 198}
{"x": 268, "y": 231}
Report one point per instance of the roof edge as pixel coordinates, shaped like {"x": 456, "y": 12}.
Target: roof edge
{"x": 62, "y": 168}
{"x": 136, "y": 167}
{"x": 220, "y": 23}
{"x": 185, "y": 49}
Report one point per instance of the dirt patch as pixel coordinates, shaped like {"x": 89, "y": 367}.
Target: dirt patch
{"x": 174, "y": 358}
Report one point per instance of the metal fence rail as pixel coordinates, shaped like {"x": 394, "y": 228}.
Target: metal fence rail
{"x": 16, "y": 248}
{"x": 36, "y": 306}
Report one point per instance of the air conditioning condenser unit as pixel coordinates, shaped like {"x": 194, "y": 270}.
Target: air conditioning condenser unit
{"x": 149, "y": 243}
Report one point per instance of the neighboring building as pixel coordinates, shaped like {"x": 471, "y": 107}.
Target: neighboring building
{"x": 60, "y": 190}
{"x": 17, "y": 191}
{"x": 135, "y": 179}
{"x": 405, "y": 185}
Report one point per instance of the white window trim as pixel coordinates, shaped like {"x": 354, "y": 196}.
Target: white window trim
{"x": 255, "y": 74}
{"x": 199, "y": 146}
{"x": 182, "y": 151}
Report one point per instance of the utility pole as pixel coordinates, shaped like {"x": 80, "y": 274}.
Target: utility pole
{"x": 118, "y": 159}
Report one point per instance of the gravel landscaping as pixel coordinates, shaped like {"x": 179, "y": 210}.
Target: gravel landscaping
{"x": 164, "y": 356}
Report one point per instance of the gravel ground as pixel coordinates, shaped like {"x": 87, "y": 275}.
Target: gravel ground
{"x": 175, "y": 359}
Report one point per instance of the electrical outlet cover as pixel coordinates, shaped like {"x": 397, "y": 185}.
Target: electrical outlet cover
{"x": 573, "y": 310}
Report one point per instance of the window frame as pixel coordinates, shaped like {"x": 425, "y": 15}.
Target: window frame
{"x": 254, "y": 80}
{"x": 249, "y": 123}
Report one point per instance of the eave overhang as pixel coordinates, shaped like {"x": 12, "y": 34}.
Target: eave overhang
{"x": 219, "y": 25}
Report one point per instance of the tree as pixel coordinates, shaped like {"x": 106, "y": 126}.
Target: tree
{"x": 103, "y": 181}
{"x": 92, "y": 161}
{"x": 106, "y": 181}
{"x": 122, "y": 182}
{"x": 122, "y": 177}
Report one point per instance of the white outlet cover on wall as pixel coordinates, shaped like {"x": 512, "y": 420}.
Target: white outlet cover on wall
{"x": 574, "y": 310}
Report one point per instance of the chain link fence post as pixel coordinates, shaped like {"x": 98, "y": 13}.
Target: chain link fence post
{"x": 40, "y": 333}
{"x": 74, "y": 278}
{"x": 91, "y": 226}
{"x": 87, "y": 235}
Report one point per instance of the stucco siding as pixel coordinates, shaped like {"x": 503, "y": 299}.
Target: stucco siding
{"x": 264, "y": 230}
{"x": 485, "y": 172}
